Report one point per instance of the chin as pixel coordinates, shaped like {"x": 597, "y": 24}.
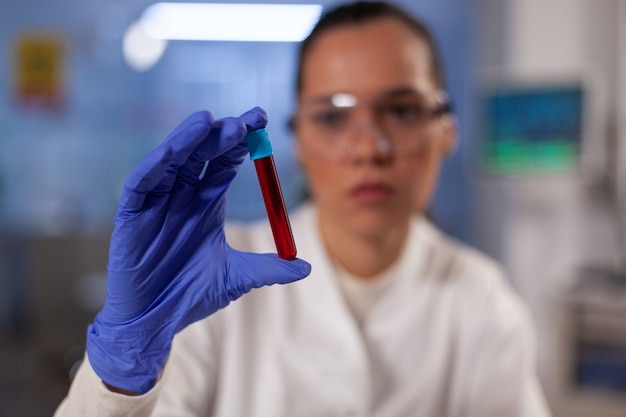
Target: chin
{"x": 375, "y": 224}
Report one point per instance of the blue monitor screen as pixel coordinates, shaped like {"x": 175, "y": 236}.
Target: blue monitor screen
{"x": 533, "y": 130}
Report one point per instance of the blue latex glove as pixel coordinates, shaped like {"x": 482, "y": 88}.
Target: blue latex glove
{"x": 169, "y": 262}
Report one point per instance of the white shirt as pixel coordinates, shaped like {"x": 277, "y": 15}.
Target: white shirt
{"x": 362, "y": 295}
{"x": 445, "y": 338}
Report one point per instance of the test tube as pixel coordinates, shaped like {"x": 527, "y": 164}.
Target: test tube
{"x": 261, "y": 153}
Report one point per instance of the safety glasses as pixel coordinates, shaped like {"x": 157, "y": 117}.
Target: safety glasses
{"x": 331, "y": 125}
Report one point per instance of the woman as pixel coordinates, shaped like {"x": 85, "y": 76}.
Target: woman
{"x": 395, "y": 319}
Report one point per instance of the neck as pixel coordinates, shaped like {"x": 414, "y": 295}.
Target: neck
{"x": 364, "y": 256}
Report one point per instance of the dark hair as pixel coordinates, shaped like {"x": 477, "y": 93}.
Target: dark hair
{"x": 362, "y": 12}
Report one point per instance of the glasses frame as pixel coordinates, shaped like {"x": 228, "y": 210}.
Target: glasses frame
{"x": 348, "y": 101}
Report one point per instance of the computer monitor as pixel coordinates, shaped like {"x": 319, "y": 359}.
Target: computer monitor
{"x": 532, "y": 129}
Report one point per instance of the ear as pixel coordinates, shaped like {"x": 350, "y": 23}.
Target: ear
{"x": 297, "y": 149}
{"x": 448, "y": 132}
{"x": 299, "y": 153}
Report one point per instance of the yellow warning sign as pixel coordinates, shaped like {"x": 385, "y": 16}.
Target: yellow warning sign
{"x": 39, "y": 70}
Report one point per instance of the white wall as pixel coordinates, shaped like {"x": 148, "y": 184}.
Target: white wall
{"x": 546, "y": 227}
{"x": 621, "y": 120}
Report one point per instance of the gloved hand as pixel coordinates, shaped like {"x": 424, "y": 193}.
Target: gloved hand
{"x": 169, "y": 262}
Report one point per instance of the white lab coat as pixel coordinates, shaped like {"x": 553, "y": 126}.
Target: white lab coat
{"x": 448, "y": 338}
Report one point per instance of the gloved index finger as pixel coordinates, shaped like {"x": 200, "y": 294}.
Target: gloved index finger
{"x": 157, "y": 171}
{"x": 186, "y": 137}
{"x": 255, "y": 119}
{"x": 221, "y": 168}
{"x": 225, "y": 134}
{"x": 146, "y": 175}
{"x": 220, "y": 144}
{"x": 183, "y": 141}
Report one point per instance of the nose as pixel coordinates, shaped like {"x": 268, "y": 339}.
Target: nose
{"x": 369, "y": 142}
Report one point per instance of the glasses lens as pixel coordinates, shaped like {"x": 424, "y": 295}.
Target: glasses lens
{"x": 325, "y": 128}
{"x": 331, "y": 125}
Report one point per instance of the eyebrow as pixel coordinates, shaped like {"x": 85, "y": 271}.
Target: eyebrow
{"x": 400, "y": 91}
{"x": 394, "y": 92}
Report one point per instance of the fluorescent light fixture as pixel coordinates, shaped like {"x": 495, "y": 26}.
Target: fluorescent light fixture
{"x": 141, "y": 51}
{"x": 230, "y": 22}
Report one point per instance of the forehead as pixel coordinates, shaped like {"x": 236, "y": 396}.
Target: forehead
{"x": 366, "y": 59}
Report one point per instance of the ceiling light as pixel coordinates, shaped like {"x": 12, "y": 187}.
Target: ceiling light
{"x": 230, "y": 22}
{"x": 141, "y": 51}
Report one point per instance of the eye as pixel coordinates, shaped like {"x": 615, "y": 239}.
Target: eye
{"x": 330, "y": 119}
{"x": 405, "y": 110}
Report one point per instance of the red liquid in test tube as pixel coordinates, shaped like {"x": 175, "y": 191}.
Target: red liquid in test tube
{"x": 275, "y": 206}
{"x": 261, "y": 153}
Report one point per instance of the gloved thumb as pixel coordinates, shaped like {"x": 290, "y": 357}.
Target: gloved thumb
{"x": 254, "y": 270}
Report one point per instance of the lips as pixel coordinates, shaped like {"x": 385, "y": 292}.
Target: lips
{"x": 371, "y": 193}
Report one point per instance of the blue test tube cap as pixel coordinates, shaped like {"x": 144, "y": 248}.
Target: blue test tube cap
{"x": 259, "y": 144}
